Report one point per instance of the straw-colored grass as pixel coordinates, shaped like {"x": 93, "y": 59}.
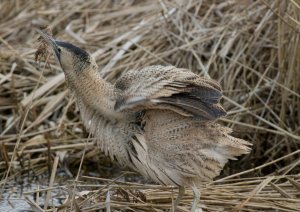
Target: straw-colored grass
{"x": 251, "y": 47}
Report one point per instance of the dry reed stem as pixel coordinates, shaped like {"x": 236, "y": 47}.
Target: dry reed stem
{"x": 52, "y": 178}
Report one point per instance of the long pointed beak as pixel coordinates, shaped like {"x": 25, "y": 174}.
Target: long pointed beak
{"x": 51, "y": 43}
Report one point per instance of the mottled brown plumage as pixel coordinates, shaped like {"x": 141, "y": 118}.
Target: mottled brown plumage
{"x": 158, "y": 120}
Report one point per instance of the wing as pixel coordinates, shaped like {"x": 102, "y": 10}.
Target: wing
{"x": 167, "y": 87}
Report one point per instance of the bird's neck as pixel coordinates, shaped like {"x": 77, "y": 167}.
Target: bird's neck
{"x": 94, "y": 92}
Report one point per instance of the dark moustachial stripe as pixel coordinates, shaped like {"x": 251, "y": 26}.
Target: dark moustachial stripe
{"x": 77, "y": 51}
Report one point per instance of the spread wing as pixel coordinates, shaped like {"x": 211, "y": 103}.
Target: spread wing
{"x": 167, "y": 87}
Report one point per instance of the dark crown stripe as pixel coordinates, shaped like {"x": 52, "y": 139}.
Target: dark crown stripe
{"x": 77, "y": 51}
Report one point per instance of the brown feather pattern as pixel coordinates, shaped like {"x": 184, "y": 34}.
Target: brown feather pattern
{"x": 159, "y": 121}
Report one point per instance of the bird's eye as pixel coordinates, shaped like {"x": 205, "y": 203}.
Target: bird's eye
{"x": 59, "y": 50}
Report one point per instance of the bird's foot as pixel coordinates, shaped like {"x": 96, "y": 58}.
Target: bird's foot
{"x": 179, "y": 197}
{"x": 196, "y": 200}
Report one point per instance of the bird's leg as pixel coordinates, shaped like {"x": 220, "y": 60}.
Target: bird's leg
{"x": 196, "y": 200}
{"x": 179, "y": 197}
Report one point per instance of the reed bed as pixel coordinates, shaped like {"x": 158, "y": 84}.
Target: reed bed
{"x": 48, "y": 160}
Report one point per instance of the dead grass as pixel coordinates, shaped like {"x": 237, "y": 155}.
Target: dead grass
{"x": 251, "y": 47}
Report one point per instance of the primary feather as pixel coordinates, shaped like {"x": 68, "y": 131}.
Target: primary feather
{"x": 170, "y": 88}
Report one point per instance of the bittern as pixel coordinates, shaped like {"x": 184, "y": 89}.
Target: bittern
{"x": 158, "y": 120}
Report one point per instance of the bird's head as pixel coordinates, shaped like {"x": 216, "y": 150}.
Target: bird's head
{"x": 72, "y": 59}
